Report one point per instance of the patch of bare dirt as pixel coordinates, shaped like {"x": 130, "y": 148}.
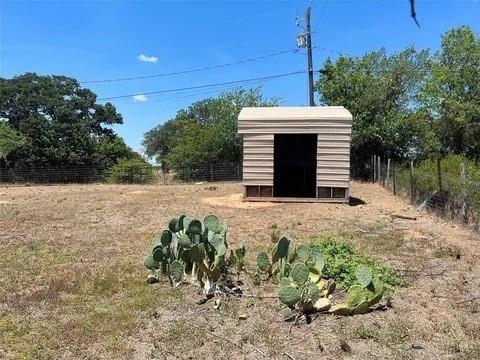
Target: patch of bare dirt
{"x": 236, "y": 201}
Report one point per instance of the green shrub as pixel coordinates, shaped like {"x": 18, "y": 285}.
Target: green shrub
{"x": 131, "y": 171}
{"x": 341, "y": 262}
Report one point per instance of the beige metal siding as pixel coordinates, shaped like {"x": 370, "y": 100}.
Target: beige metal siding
{"x": 333, "y": 158}
{"x": 331, "y": 124}
{"x": 258, "y": 159}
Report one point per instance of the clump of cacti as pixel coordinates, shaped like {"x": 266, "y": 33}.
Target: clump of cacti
{"x": 362, "y": 296}
{"x": 193, "y": 249}
{"x": 303, "y": 290}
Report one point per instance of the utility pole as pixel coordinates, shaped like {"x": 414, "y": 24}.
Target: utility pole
{"x": 309, "y": 56}
{"x": 304, "y": 40}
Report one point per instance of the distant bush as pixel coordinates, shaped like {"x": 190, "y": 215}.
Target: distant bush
{"x": 131, "y": 171}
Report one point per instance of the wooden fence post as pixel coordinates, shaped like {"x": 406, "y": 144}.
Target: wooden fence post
{"x": 374, "y": 161}
{"x": 463, "y": 194}
{"x": 412, "y": 185}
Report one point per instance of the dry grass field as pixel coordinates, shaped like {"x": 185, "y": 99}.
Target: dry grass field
{"x": 72, "y": 282}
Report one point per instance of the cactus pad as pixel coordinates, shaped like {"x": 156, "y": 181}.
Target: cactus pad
{"x": 166, "y": 238}
{"x": 356, "y": 295}
{"x": 157, "y": 254}
{"x": 150, "y": 263}
{"x": 361, "y": 308}
{"x": 364, "y": 276}
{"x": 218, "y": 242}
{"x": 184, "y": 241}
{"x": 313, "y": 292}
{"x": 314, "y": 275}
{"x": 176, "y": 269}
{"x": 194, "y": 227}
{"x": 331, "y": 285}
{"x": 282, "y": 248}
{"x": 340, "y": 309}
{"x": 211, "y": 223}
{"x": 322, "y": 304}
{"x": 303, "y": 253}
{"x": 299, "y": 273}
{"x": 289, "y": 295}
{"x": 263, "y": 261}
{"x": 288, "y": 314}
{"x": 173, "y": 225}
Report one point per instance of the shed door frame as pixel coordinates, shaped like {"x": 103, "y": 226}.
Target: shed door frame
{"x": 295, "y": 165}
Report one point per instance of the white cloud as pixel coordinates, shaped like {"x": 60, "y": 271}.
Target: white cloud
{"x": 147, "y": 58}
{"x": 140, "y": 98}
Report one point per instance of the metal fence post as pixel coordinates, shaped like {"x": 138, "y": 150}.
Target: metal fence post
{"x": 387, "y": 180}
{"x": 412, "y": 186}
{"x": 374, "y": 161}
{"x": 379, "y": 167}
{"x": 463, "y": 194}
{"x": 211, "y": 172}
{"x": 394, "y": 182}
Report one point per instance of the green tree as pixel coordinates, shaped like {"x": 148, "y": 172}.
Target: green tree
{"x": 10, "y": 140}
{"x": 206, "y": 132}
{"x": 60, "y": 121}
{"x": 381, "y": 92}
{"x": 452, "y": 95}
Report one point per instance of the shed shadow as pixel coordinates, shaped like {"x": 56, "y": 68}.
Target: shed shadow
{"x": 356, "y": 201}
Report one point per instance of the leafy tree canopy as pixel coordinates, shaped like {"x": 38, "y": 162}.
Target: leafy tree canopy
{"x": 452, "y": 95}
{"x": 9, "y": 140}
{"x": 205, "y": 132}
{"x": 411, "y": 104}
{"x": 381, "y": 92}
{"x": 60, "y": 123}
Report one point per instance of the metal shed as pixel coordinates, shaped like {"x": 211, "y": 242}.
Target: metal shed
{"x": 296, "y": 153}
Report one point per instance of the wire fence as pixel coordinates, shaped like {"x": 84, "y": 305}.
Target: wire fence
{"x": 218, "y": 172}
{"x": 53, "y": 174}
{"x": 209, "y": 172}
{"x": 452, "y": 192}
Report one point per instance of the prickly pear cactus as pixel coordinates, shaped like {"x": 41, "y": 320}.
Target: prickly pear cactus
{"x": 263, "y": 262}
{"x": 289, "y": 295}
{"x": 299, "y": 273}
{"x": 364, "y": 276}
{"x": 150, "y": 263}
{"x": 194, "y": 248}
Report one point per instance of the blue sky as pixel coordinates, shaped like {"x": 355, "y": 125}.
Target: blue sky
{"x": 92, "y": 40}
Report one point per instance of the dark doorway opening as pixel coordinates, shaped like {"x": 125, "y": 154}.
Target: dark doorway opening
{"x": 295, "y": 165}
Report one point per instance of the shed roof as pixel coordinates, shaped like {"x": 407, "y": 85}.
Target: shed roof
{"x": 295, "y": 113}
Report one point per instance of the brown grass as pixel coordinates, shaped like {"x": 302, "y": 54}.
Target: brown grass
{"x": 72, "y": 284}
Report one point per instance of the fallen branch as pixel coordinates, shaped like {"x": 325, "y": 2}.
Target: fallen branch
{"x": 405, "y": 217}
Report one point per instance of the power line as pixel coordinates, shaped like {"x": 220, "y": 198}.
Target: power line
{"x": 229, "y": 21}
{"x": 257, "y": 58}
{"x": 203, "y": 86}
